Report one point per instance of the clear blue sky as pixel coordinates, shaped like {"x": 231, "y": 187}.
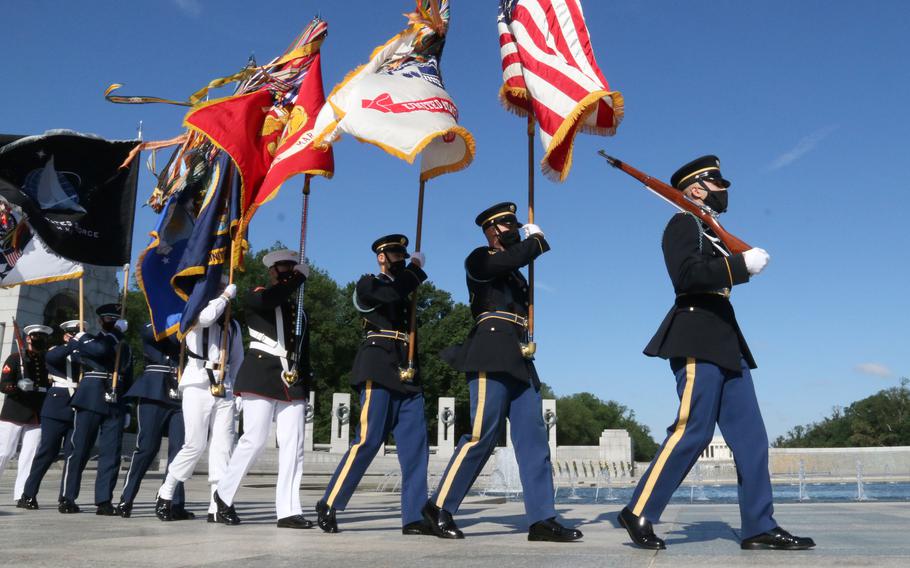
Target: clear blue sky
{"x": 805, "y": 103}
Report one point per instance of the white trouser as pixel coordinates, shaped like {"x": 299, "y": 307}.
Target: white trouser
{"x": 9, "y": 440}
{"x": 202, "y": 412}
{"x": 257, "y": 420}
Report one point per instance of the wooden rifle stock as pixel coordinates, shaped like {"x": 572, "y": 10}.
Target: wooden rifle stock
{"x": 676, "y": 197}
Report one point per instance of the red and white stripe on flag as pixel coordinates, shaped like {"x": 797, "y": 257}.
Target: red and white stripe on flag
{"x": 548, "y": 69}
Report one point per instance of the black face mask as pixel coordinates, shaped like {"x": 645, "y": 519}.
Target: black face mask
{"x": 509, "y": 238}
{"x": 38, "y": 343}
{"x": 717, "y": 201}
{"x": 108, "y": 325}
{"x": 397, "y": 267}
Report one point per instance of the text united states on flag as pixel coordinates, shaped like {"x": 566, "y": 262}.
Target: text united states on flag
{"x": 548, "y": 69}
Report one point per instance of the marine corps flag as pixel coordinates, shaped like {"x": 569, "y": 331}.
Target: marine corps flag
{"x": 549, "y": 70}
{"x": 397, "y": 100}
{"x": 267, "y": 127}
{"x": 74, "y": 193}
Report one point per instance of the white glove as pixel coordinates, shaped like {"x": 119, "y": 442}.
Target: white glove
{"x": 303, "y": 268}
{"x": 530, "y": 229}
{"x": 26, "y": 385}
{"x": 419, "y": 259}
{"x": 230, "y": 292}
{"x": 127, "y": 420}
{"x": 756, "y": 260}
{"x": 121, "y": 325}
{"x": 238, "y": 403}
{"x": 79, "y": 335}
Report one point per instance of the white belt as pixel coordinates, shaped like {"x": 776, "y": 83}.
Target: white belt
{"x": 268, "y": 345}
{"x": 63, "y": 383}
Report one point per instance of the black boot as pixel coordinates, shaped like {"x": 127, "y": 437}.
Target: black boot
{"x": 179, "y": 513}
{"x": 325, "y": 517}
{"x": 210, "y": 518}
{"x": 551, "y": 531}
{"x": 106, "y": 509}
{"x": 68, "y": 507}
{"x": 125, "y": 509}
{"x": 640, "y": 530}
{"x": 295, "y": 522}
{"x": 417, "y": 528}
{"x": 26, "y": 502}
{"x": 225, "y": 514}
{"x": 440, "y": 521}
{"x": 164, "y": 509}
{"x": 777, "y": 539}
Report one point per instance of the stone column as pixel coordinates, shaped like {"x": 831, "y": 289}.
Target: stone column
{"x": 341, "y": 417}
{"x": 616, "y": 447}
{"x": 308, "y": 424}
{"x": 549, "y": 419}
{"x": 445, "y": 427}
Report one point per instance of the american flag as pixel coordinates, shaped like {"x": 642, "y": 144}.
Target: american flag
{"x": 548, "y": 69}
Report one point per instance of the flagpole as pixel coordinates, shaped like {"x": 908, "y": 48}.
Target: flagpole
{"x": 116, "y": 375}
{"x": 82, "y": 302}
{"x": 304, "y": 214}
{"x": 217, "y": 389}
{"x": 531, "y": 221}
{"x": 408, "y": 374}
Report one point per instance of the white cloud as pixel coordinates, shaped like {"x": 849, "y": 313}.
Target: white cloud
{"x": 803, "y": 147}
{"x": 189, "y": 7}
{"x": 545, "y": 287}
{"x": 874, "y": 369}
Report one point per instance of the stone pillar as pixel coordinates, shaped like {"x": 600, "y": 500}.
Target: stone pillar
{"x": 549, "y": 419}
{"x": 445, "y": 427}
{"x": 308, "y": 424}
{"x": 616, "y": 447}
{"x": 341, "y": 418}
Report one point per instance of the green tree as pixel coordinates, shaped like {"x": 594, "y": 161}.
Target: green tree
{"x": 583, "y": 417}
{"x": 882, "y": 419}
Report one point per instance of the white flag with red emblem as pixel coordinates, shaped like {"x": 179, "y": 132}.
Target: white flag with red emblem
{"x": 548, "y": 69}
{"x": 397, "y": 100}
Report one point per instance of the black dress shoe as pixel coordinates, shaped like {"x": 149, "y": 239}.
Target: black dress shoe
{"x": 777, "y": 539}
{"x": 106, "y": 509}
{"x": 325, "y": 517}
{"x": 440, "y": 522}
{"x": 164, "y": 509}
{"x": 551, "y": 531}
{"x": 640, "y": 530}
{"x": 179, "y": 513}
{"x": 417, "y": 528}
{"x": 295, "y": 522}
{"x": 125, "y": 509}
{"x": 26, "y": 502}
{"x": 68, "y": 507}
{"x": 226, "y": 514}
{"x": 210, "y": 518}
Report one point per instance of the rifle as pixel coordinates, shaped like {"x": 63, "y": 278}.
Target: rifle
{"x": 683, "y": 203}
{"x": 20, "y": 345}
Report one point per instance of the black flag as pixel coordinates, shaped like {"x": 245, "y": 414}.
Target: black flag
{"x": 73, "y": 192}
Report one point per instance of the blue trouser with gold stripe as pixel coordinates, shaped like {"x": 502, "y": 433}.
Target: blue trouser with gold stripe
{"x": 154, "y": 418}
{"x": 709, "y": 396}
{"x": 495, "y": 397}
{"x": 383, "y": 411}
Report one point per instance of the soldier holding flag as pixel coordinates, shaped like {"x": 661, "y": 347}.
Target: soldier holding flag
{"x": 206, "y": 388}
{"x": 99, "y": 410}
{"x": 390, "y": 401}
{"x": 273, "y": 382}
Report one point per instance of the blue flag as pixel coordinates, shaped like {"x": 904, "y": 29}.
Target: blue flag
{"x": 198, "y": 277}
{"x": 159, "y": 262}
